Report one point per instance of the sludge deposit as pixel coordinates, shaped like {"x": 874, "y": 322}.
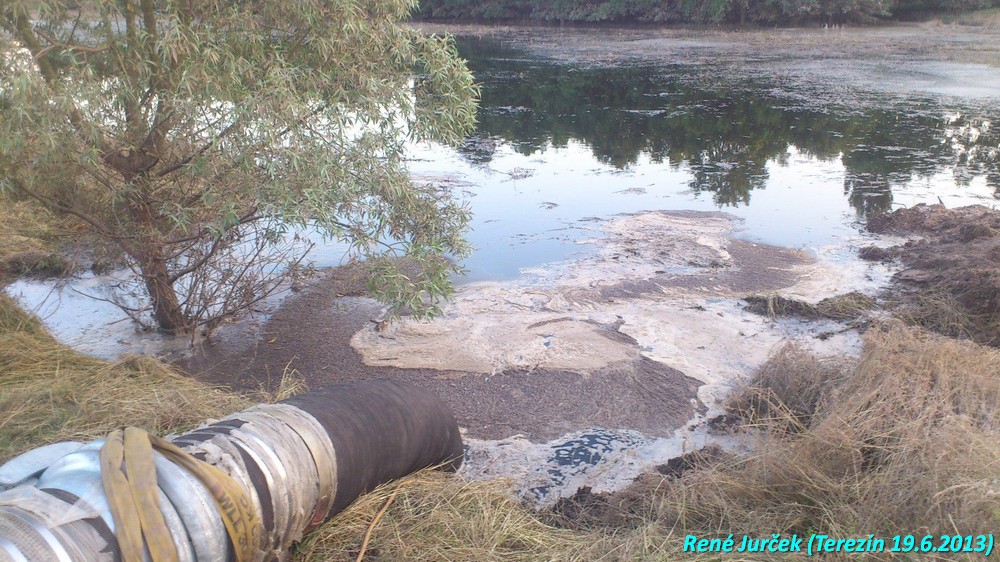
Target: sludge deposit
{"x": 640, "y": 339}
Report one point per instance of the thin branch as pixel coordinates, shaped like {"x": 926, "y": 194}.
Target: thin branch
{"x": 27, "y": 36}
{"x": 187, "y": 160}
{"x": 249, "y": 217}
{"x": 191, "y": 268}
{"x": 76, "y": 25}
{"x": 54, "y": 44}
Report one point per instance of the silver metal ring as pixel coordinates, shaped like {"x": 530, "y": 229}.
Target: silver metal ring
{"x": 196, "y": 508}
{"x": 240, "y": 445}
{"x": 316, "y": 439}
{"x": 43, "y": 531}
{"x": 301, "y": 490}
{"x": 11, "y": 550}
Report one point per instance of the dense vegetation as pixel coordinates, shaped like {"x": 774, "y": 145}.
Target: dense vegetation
{"x": 695, "y": 11}
{"x": 200, "y": 139}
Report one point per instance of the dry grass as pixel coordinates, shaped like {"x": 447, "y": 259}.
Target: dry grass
{"x": 938, "y": 309}
{"x": 437, "y": 517}
{"x": 434, "y": 516}
{"x": 50, "y": 393}
{"x": 787, "y": 391}
{"x": 908, "y": 440}
{"x": 848, "y": 306}
{"x": 29, "y": 237}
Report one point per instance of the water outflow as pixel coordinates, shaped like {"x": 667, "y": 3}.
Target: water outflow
{"x": 300, "y": 461}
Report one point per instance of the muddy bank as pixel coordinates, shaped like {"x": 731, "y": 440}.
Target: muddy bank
{"x": 311, "y": 334}
{"x": 950, "y": 281}
{"x": 582, "y": 373}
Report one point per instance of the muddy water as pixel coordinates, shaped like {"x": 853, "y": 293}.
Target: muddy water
{"x": 598, "y": 328}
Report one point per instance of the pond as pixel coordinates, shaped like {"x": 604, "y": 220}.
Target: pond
{"x": 559, "y": 143}
{"x": 801, "y": 151}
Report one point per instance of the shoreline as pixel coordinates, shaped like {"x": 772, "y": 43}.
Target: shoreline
{"x": 619, "y": 356}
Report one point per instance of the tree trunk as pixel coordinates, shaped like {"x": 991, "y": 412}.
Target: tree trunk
{"x": 148, "y": 253}
{"x": 166, "y": 307}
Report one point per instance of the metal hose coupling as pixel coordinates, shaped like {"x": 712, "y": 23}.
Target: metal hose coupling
{"x": 291, "y": 465}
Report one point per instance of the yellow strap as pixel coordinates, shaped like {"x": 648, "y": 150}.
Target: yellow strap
{"x": 145, "y": 493}
{"x": 128, "y": 530}
{"x": 134, "y": 500}
{"x": 232, "y": 500}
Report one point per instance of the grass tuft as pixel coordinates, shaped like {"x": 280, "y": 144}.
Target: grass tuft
{"x": 848, "y": 306}
{"x": 51, "y": 393}
{"x": 435, "y": 516}
{"x": 907, "y": 439}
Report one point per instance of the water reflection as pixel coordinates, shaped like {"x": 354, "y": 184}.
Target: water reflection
{"x": 723, "y": 132}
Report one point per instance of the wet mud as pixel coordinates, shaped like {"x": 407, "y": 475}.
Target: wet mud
{"x": 586, "y": 372}
{"x": 539, "y": 404}
{"x": 950, "y": 276}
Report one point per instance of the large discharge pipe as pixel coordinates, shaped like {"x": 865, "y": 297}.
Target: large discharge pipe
{"x": 300, "y": 462}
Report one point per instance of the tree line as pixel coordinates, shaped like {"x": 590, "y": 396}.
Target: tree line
{"x": 741, "y": 12}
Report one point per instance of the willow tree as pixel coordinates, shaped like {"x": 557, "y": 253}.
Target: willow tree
{"x": 199, "y": 137}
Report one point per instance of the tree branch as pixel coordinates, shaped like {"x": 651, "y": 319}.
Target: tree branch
{"x": 26, "y": 34}
{"x": 54, "y": 45}
{"x": 191, "y": 268}
{"x": 187, "y": 159}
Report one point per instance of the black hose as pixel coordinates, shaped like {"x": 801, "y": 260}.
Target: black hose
{"x": 382, "y": 430}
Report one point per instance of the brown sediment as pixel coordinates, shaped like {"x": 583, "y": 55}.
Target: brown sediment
{"x": 311, "y": 333}
{"x": 608, "y": 340}
{"x": 750, "y": 267}
{"x": 950, "y": 281}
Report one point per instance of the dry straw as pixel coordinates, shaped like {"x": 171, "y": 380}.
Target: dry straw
{"x": 49, "y": 392}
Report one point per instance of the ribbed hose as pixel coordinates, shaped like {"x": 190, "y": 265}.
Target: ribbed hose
{"x": 300, "y": 462}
